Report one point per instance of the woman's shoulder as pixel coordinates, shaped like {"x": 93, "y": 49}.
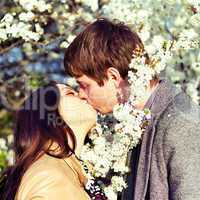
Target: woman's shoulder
{"x": 45, "y": 165}
{"x": 45, "y": 174}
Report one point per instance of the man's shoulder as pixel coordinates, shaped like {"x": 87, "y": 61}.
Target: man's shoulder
{"x": 181, "y": 109}
{"x": 181, "y": 118}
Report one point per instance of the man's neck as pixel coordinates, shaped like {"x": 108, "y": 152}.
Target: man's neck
{"x": 151, "y": 88}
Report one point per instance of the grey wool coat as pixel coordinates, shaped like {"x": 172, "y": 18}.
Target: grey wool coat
{"x": 168, "y": 166}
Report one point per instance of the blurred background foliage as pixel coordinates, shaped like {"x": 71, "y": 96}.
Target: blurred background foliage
{"x": 34, "y": 34}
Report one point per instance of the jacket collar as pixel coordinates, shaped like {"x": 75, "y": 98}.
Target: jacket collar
{"x": 158, "y": 102}
{"x": 161, "y": 97}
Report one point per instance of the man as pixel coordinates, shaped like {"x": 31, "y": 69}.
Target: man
{"x": 166, "y": 165}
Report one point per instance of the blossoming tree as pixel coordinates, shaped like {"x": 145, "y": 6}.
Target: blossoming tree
{"x": 34, "y": 34}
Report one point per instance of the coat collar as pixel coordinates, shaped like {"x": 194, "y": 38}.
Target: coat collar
{"x": 164, "y": 95}
{"x": 158, "y": 102}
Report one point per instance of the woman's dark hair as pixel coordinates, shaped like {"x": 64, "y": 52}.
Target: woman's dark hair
{"x": 38, "y": 126}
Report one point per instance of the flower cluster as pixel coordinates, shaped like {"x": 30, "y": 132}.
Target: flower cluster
{"x": 9, "y": 28}
{"x": 6, "y": 154}
{"x": 39, "y": 5}
{"x": 20, "y": 25}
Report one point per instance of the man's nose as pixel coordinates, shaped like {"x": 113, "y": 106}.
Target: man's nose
{"x": 82, "y": 94}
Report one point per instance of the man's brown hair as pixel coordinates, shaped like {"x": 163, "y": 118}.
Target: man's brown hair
{"x": 101, "y": 45}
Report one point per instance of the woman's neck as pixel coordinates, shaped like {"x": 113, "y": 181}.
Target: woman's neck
{"x": 80, "y": 134}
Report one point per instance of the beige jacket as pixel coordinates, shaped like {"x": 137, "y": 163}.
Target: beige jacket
{"x": 51, "y": 179}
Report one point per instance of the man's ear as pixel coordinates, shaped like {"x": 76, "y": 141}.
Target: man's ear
{"x": 114, "y": 75}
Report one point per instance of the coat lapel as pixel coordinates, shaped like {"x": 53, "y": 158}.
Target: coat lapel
{"x": 163, "y": 96}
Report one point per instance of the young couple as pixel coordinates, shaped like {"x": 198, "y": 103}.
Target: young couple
{"x": 54, "y": 121}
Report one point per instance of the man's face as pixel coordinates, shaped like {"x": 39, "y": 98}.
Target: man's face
{"x": 102, "y": 98}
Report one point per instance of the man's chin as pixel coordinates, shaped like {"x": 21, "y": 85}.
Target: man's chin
{"x": 104, "y": 112}
{"x": 99, "y": 111}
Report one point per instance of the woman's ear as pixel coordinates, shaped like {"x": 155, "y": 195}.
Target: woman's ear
{"x": 114, "y": 75}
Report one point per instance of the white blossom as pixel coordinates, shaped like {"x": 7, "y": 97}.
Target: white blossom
{"x": 31, "y": 5}
{"x": 3, "y": 35}
{"x": 118, "y": 183}
{"x": 7, "y": 19}
{"x": 26, "y": 16}
{"x": 10, "y": 157}
{"x": 3, "y": 145}
{"x": 120, "y": 166}
{"x": 92, "y": 4}
{"x": 195, "y": 20}
{"x": 39, "y": 29}
{"x": 110, "y": 193}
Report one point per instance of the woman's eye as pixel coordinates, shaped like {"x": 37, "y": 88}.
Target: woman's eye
{"x": 70, "y": 93}
{"x": 67, "y": 91}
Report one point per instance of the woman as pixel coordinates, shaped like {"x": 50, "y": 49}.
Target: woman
{"x": 46, "y": 147}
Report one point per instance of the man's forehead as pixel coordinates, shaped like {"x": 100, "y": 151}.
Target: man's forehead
{"x": 83, "y": 79}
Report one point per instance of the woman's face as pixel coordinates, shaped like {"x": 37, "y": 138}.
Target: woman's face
{"x": 74, "y": 111}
